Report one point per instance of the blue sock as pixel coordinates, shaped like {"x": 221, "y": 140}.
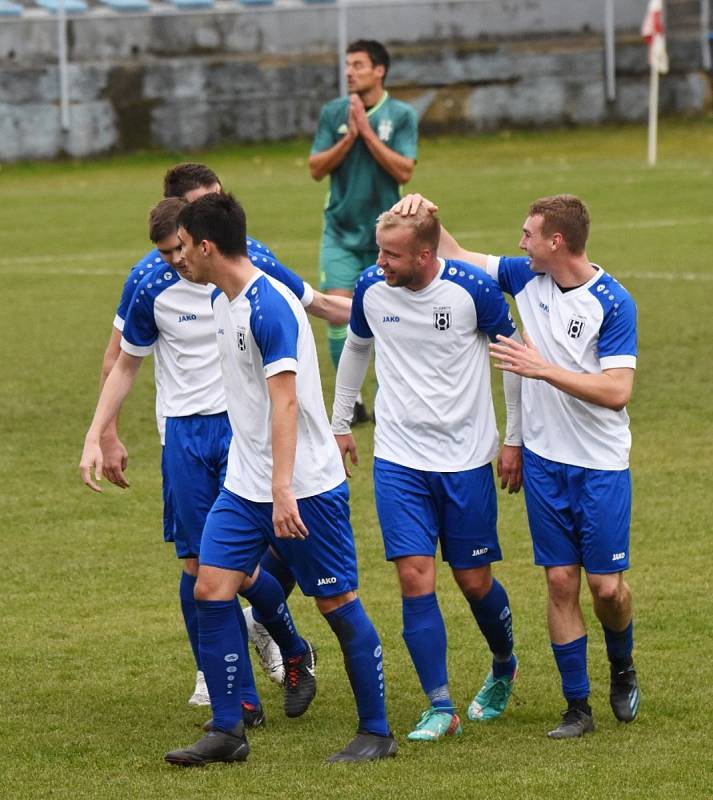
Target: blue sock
{"x": 571, "y": 661}
{"x": 280, "y": 572}
{"x": 267, "y": 598}
{"x": 190, "y": 612}
{"x": 425, "y": 636}
{"x": 364, "y": 664}
{"x": 221, "y": 656}
{"x": 248, "y": 690}
{"x": 492, "y": 613}
{"x": 620, "y": 645}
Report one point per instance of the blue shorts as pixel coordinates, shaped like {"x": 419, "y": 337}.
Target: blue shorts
{"x": 238, "y": 531}
{"x": 417, "y": 508}
{"x": 195, "y": 459}
{"x": 577, "y": 515}
{"x": 169, "y": 514}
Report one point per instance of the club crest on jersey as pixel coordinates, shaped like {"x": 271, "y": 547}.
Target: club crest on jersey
{"x": 385, "y": 129}
{"x": 241, "y": 339}
{"x": 442, "y": 318}
{"x": 575, "y": 327}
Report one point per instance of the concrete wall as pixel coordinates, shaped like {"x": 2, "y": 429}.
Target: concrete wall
{"x": 190, "y": 81}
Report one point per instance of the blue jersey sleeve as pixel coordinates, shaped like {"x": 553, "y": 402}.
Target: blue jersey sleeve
{"x": 358, "y": 323}
{"x": 491, "y": 310}
{"x": 273, "y": 324}
{"x": 272, "y": 267}
{"x": 255, "y": 246}
{"x": 617, "y": 334}
{"x": 514, "y": 274}
{"x": 137, "y": 272}
{"x": 140, "y": 329}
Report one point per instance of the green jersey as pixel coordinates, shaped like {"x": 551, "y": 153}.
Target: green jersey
{"x": 360, "y": 189}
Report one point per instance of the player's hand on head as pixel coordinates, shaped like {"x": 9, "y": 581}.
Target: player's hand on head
{"x": 410, "y": 203}
{"x": 347, "y": 444}
{"x": 510, "y": 468}
{"x": 92, "y": 460}
{"x": 116, "y": 460}
{"x": 286, "y": 519}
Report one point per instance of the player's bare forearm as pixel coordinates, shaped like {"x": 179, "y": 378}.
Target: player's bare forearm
{"x": 448, "y": 247}
{"x": 116, "y": 387}
{"x": 286, "y": 520}
{"x": 399, "y": 167}
{"x": 333, "y": 308}
{"x": 324, "y": 163}
{"x": 611, "y": 388}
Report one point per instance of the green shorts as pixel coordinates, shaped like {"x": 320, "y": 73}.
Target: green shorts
{"x": 339, "y": 268}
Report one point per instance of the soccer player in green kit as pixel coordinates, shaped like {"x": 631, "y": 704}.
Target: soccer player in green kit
{"x": 367, "y": 144}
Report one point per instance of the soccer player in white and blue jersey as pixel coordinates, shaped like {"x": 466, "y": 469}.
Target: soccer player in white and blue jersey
{"x": 285, "y": 487}
{"x": 578, "y": 362}
{"x": 435, "y": 438}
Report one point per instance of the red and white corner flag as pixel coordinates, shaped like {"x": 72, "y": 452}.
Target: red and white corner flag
{"x": 652, "y": 30}
{"x": 654, "y": 34}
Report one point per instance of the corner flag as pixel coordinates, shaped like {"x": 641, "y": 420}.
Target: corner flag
{"x": 652, "y": 29}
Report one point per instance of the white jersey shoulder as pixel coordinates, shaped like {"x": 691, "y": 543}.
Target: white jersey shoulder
{"x": 172, "y": 318}
{"x": 262, "y": 332}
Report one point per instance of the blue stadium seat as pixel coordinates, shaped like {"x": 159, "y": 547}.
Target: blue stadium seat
{"x": 186, "y": 4}
{"x": 8, "y": 9}
{"x": 70, "y": 6}
{"x": 126, "y": 5}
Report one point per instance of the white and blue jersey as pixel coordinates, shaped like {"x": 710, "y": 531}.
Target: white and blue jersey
{"x": 588, "y": 329}
{"x": 262, "y": 332}
{"x": 434, "y": 408}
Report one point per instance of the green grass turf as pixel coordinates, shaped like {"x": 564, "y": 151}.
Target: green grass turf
{"x": 95, "y": 667}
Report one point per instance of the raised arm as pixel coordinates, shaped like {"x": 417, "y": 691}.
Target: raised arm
{"x": 330, "y": 307}
{"x": 448, "y": 247}
{"x": 286, "y": 519}
{"x": 324, "y": 163}
{"x": 398, "y": 166}
{"x": 116, "y": 387}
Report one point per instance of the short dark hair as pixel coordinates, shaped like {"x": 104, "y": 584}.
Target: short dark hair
{"x": 163, "y": 218}
{"x": 219, "y": 218}
{"x": 185, "y": 177}
{"x": 378, "y": 54}
{"x": 564, "y": 214}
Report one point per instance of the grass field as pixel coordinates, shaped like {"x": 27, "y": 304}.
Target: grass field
{"x": 95, "y": 667}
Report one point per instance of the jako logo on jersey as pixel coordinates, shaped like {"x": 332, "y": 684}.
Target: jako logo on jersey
{"x": 481, "y": 551}
{"x": 442, "y": 318}
{"x": 186, "y": 317}
{"x": 575, "y": 327}
{"x": 391, "y": 318}
{"x": 618, "y": 556}
{"x": 326, "y": 581}
{"x": 545, "y": 307}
